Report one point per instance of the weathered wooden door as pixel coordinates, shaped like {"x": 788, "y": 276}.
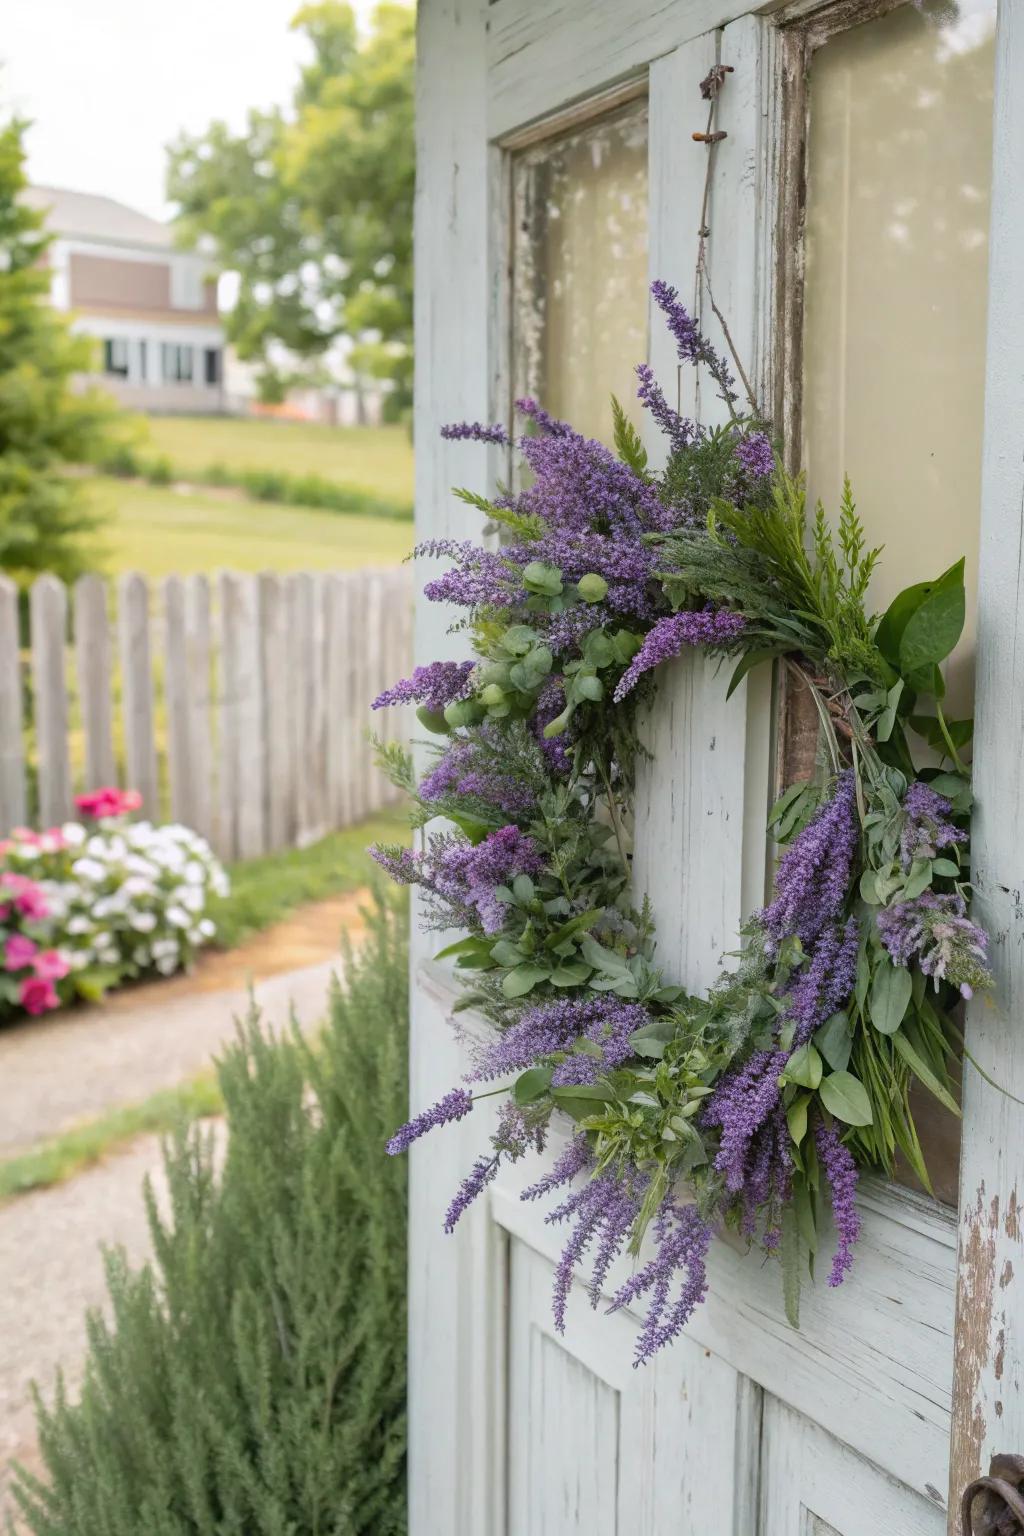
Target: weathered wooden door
{"x": 851, "y": 238}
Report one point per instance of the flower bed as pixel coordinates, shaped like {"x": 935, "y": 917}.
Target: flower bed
{"x": 84, "y": 908}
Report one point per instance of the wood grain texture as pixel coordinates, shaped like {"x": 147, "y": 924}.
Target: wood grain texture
{"x": 137, "y": 690}
{"x": 13, "y": 805}
{"x": 280, "y": 765}
{"x": 48, "y": 618}
{"x": 457, "y": 1289}
{"x": 176, "y": 700}
{"x": 198, "y": 659}
{"x": 988, "y": 1414}
{"x": 541, "y": 57}
{"x": 94, "y": 676}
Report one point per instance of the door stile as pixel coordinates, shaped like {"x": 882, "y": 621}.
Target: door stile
{"x": 988, "y": 1402}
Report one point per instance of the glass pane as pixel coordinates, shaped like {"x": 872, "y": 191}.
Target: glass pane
{"x": 580, "y": 268}
{"x": 899, "y": 168}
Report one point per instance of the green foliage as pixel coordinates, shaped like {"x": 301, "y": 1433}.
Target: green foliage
{"x": 45, "y": 424}
{"x": 313, "y": 207}
{"x": 252, "y": 1378}
{"x": 296, "y": 490}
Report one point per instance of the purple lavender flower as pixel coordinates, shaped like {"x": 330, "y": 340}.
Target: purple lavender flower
{"x": 454, "y": 1106}
{"x": 715, "y": 629}
{"x": 813, "y": 880}
{"x": 545, "y": 423}
{"x": 476, "y": 432}
{"x": 556, "y": 749}
{"x": 679, "y": 431}
{"x": 936, "y": 932}
{"x": 681, "y": 1238}
{"x": 744, "y": 1100}
{"x": 474, "y": 1184}
{"x": 465, "y": 769}
{"x": 755, "y": 455}
{"x": 568, "y": 1165}
{"x": 460, "y": 877}
{"x": 436, "y": 685}
{"x": 580, "y": 487}
{"x": 927, "y": 827}
{"x": 479, "y": 577}
{"x": 605, "y": 1208}
{"x": 555, "y": 1026}
{"x": 824, "y": 984}
{"x": 691, "y": 345}
{"x": 841, "y": 1172}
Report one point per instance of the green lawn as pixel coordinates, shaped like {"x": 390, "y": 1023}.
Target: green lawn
{"x": 162, "y": 532}
{"x": 375, "y": 458}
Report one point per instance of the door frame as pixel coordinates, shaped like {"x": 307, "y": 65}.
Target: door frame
{"x": 514, "y": 64}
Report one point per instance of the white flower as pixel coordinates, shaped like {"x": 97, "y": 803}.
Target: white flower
{"x": 97, "y": 846}
{"x": 220, "y": 882}
{"x": 88, "y": 869}
{"x": 194, "y": 873}
{"x": 140, "y": 955}
{"x": 207, "y": 928}
{"x": 80, "y": 959}
{"x": 102, "y": 940}
{"x": 144, "y": 869}
{"x": 73, "y": 833}
{"x": 177, "y": 917}
{"x": 163, "y": 948}
{"x": 109, "y": 956}
{"x": 167, "y": 967}
{"x": 142, "y": 922}
{"x": 78, "y": 924}
{"x": 193, "y": 901}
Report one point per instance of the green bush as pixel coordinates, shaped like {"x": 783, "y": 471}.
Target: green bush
{"x": 158, "y": 471}
{"x": 252, "y": 1379}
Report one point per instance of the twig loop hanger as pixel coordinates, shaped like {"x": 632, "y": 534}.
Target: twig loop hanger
{"x": 1002, "y": 1511}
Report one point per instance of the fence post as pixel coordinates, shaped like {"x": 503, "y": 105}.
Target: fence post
{"x": 48, "y": 609}
{"x": 277, "y": 684}
{"x": 92, "y": 665}
{"x": 197, "y": 658}
{"x": 378, "y": 622}
{"x": 137, "y": 691}
{"x": 242, "y": 739}
{"x": 176, "y": 702}
{"x": 13, "y": 806}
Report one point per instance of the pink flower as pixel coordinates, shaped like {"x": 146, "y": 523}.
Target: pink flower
{"x": 28, "y": 899}
{"x": 110, "y": 801}
{"x": 37, "y": 995}
{"x": 18, "y": 952}
{"x": 51, "y": 965}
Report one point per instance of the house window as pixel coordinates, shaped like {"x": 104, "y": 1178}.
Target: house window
{"x": 580, "y": 268}
{"x": 211, "y": 365}
{"x": 115, "y": 357}
{"x": 177, "y": 363}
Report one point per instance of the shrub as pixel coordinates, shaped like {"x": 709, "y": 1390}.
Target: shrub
{"x": 159, "y": 471}
{"x": 81, "y": 910}
{"x": 252, "y": 1379}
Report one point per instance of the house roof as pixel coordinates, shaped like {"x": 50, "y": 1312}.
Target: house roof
{"x": 90, "y": 216}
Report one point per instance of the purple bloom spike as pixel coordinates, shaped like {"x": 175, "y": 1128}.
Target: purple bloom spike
{"x": 813, "y": 879}
{"x": 681, "y": 1238}
{"x": 841, "y": 1172}
{"x": 744, "y": 1100}
{"x": 679, "y": 431}
{"x": 927, "y": 827}
{"x": 454, "y": 1106}
{"x": 936, "y": 932}
{"x": 474, "y": 1184}
{"x": 715, "y": 629}
{"x": 475, "y": 432}
{"x": 691, "y": 345}
{"x": 824, "y": 984}
{"x": 436, "y": 685}
{"x": 756, "y": 456}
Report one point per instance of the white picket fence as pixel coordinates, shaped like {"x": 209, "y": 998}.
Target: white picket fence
{"x": 239, "y": 706}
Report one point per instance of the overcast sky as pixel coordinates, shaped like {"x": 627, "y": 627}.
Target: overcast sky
{"x": 108, "y": 83}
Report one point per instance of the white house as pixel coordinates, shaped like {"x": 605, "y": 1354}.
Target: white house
{"x": 151, "y": 307}
{"x": 866, "y": 239}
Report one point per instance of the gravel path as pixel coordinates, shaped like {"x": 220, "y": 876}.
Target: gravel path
{"x": 53, "y": 1270}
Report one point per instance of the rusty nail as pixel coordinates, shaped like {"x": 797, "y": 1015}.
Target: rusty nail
{"x": 709, "y": 138}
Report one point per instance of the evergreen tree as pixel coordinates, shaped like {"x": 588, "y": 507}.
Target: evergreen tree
{"x": 252, "y": 1380}
{"x": 44, "y": 423}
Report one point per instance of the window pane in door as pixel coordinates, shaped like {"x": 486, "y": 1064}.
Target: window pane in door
{"x": 899, "y": 169}
{"x": 580, "y": 268}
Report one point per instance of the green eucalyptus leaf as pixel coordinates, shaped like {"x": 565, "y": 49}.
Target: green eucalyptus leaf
{"x": 891, "y": 988}
{"x": 532, "y": 1085}
{"x": 936, "y": 624}
{"x": 804, "y": 1067}
{"x": 835, "y": 1041}
{"x": 845, "y": 1096}
{"x": 523, "y": 979}
{"x": 796, "y": 1117}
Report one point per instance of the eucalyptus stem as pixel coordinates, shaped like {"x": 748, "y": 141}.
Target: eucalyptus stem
{"x": 947, "y": 738}
{"x": 620, "y": 836}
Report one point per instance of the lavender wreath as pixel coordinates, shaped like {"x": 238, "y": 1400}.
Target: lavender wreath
{"x": 764, "y": 1099}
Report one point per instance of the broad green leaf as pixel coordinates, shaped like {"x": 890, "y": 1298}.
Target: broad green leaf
{"x": 467, "y": 946}
{"x": 891, "y": 988}
{"x": 575, "y": 925}
{"x": 904, "y": 606}
{"x": 804, "y": 1067}
{"x": 532, "y": 1085}
{"x": 571, "y": 973}
{"x": 845, "y": 1096}
{"x": 835, "y": 1041}
{"x": 945, "y": 867}
{"x": 747, "y": 664}
{"x": 796, "y": 1117}
{"x": 936, "y": 624}
{"x": 523, "y": 979}
{"x": 523, "y": 889}
{"x": 432, "y": 721}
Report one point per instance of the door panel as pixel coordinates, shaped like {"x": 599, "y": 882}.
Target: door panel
{"x": 815, "y": 1486}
